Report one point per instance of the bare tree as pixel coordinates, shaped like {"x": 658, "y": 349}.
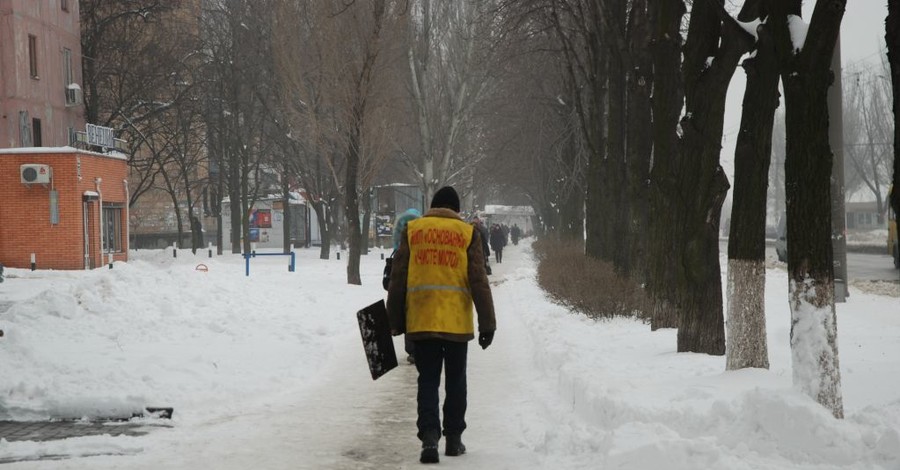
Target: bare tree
{"x": 449, "y": 53}
{"x": 299, "y": 48}
{"x": 668, "y": 91}
{"x": 715, "y": 43}
{"x": 805, "y": 77}
{"x": 183, "y": 163}
{"x": 746, "y": 345}
{"x": 868, "y": 129}
{"x": 339, "y": 95}
{"x": 238, "y": 71}
{"x": 133, "y": 53}
{"x": 892, "y": 37}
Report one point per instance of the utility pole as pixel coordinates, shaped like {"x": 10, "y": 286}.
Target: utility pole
{"x": 838, "y": 213}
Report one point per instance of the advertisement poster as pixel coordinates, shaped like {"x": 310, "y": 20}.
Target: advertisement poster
{"x": 384, "y": 225}
{"x": 261, "y": 218}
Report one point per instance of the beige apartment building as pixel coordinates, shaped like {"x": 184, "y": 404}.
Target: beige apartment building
{"x": 40, "y": 73}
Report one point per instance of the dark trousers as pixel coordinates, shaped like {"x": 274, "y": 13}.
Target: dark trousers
{"x": 499, "y": 254}
{"x": 431, "y": 355}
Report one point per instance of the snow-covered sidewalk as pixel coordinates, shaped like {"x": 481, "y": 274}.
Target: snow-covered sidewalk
{"x": 267, "y": 372}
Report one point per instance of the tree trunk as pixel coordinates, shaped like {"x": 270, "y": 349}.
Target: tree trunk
{"x": 288, "y": 219}
{"x": 746, "y": 345}
{"x": 246, "y": 206}
{"x": 715, "y": 43}
{"x": 570, "y": 221}
{"x": 234, "y": 196}
{"x": 615, "y": 184}
{"x": 668, "y": 98}
{"x": 367, "y": 222}
{"x": 639, "y": 148}
{"x": 596, "y": 218}
{"x": 351, "y": 198}
{"x": 324, "y": 229}
{"x": 217, "y": 204}
{"x": 892, "y": 37}
{"x": 806, "y": 77}
{"x": 616, "y": 204}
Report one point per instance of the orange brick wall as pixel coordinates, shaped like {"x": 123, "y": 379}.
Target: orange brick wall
{"x": 25, "y": 226}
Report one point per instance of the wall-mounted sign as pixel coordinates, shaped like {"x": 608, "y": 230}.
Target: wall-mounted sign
{"x": 261, "y": 218}
{"x": 100, "y": 136}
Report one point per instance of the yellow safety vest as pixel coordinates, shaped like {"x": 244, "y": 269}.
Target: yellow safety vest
{"x": 438, "y": 298}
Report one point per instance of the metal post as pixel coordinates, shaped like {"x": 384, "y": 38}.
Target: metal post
{"x": 838, "y": 213}
{"x": 293, "y": 261}
{"x": 174, "y": 249}
{"x": 33, "y": 262}
{"x": 247, "y": 268}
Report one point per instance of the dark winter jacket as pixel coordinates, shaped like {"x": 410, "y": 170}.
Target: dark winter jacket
{"x": 478, "y": 287}
{"x": 497, "y": 239}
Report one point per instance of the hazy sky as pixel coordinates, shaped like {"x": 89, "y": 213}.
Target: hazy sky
{"x": 862, "y": 41}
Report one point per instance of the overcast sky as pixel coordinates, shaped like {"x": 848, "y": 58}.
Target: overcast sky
{"x": 862, "y": 42}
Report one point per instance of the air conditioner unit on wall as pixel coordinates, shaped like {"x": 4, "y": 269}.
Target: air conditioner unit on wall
{"x": 73, "y": 97}
{"x": 31, "y": 173}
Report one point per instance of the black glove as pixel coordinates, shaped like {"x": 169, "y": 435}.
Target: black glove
{"x": 485, "y": 338}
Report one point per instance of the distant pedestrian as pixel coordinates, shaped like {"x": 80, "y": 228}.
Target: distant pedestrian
{"x": 497, "y": 242}
{"x": 515, "y": 233}
{"x": 196, "y": 234}
{"x": 438, "y": 273}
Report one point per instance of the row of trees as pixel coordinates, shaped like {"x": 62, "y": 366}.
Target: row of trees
{"x": 605, "y": 115}
{"x": 653, "y": 194}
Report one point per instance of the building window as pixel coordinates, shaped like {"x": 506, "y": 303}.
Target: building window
{"x": 32, "y": 56}
{"x": 112, "y": 225}
{"x": 67, "y": 66}
{"x": 36, "y": 132}
{"x": 64, "y": 4}
{"x": 71, "y": 90}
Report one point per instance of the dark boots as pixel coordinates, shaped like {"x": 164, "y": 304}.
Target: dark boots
{"x": 455, "y": 447}
{"x": 430, "y": 449}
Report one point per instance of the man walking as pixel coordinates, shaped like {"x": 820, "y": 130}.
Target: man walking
{"x": 438, "y": 272}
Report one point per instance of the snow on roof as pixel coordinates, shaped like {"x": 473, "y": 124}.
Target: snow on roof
{"x": 37, "y": 150}
{"x": 92, "y": 194}
{"x": 296, "y": 198}
{"x": 492, "y": 209}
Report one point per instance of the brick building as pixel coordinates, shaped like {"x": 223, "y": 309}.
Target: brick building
{"x": 52, "y": 200}
{"x": 40, "y": 72}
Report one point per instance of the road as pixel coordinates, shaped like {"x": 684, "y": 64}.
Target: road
{"x": 860, "y": 266}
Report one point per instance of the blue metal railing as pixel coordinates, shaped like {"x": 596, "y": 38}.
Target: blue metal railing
{"x": 254, "y": 254}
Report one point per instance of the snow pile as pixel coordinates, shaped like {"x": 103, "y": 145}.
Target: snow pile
{"x": 158, "y": 332}
{"x": 644, "y": 406}
{"x": 876, "y": 237}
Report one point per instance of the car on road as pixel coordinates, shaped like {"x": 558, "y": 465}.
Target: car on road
{"x": 781, "y": 239}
